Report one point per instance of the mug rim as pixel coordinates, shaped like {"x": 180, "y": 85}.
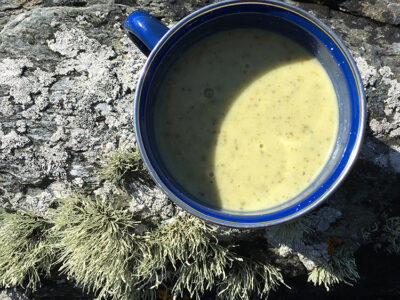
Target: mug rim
{"x": 355, "y": 147}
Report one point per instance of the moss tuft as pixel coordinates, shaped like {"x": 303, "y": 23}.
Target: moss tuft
{"x": 98, "y": 245}
{"x": 120, "y": 164}
{"x": 287, "y": 232}
{"x": 341, "y": 267}
{"x": 26, "y": 250}
{"x": 391, "y": 234}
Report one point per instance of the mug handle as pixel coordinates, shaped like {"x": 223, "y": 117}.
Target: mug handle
{"x": 144, "y": 30}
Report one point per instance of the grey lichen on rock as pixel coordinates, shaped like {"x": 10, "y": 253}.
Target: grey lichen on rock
{"x": 294, "y": 238}
{"x": 62, "y": 109}
{"x": 391, "y": 235}
{"x": 12, "y": 294}
{"x": 151, "y": 202}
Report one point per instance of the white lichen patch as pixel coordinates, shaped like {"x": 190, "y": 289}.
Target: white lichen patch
{"x": 323, "y": 218}
{"x": 390, "y": 125}
{"x": 21, "y": 86}
{"x": 150, "y": 201}
{"x": 12, "y": 294}
{"x": 95, "y": 89}
{"x": 39, "y": 200}
{"x": 21, "y": 126}
{"x": 68, "y": 42}
{"x": 312, "y": 255}
{"x": 284, "y": 250}
{"x": 69, "y": 117}
{"x": 368, "y": 73}
{"x": 130, "y": 71}
{"x": 392, "y": 102}
{"x": 12, "y": 141}
{"x": 386, "y": 127}
{"x": 292, "y": 239}
{"x": 66, "y": 98}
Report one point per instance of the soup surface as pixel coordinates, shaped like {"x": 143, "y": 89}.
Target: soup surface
{"x": 245, "y": 119}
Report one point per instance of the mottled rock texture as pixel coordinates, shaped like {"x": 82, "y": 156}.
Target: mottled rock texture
{"x": 67, "y": 80}
{"x": 12, "y": 294}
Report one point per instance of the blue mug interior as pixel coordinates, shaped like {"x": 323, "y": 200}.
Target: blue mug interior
{"x": 292, "y": 25}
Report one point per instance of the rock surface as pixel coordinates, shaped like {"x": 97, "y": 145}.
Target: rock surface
{"x": 68, "y": 76}
{"x": 12, "y": 294}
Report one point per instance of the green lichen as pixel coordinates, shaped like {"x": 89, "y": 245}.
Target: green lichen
{"x": 287, "y": 232}
{"x": 120, "y": 164}
{"x": 391, "y": 234}
{"x": 98, "y": 246}
{"x": 198, "y": 260}
{"x": 101, "y": 252}
{"x": 199, "y": 263}
{"x": 341, "y": 267}
{"x": 26, "y": 250}
{"x": 185, "y": 254}
{"x": 247, "y": 278}
{"x": 102, "y": 248}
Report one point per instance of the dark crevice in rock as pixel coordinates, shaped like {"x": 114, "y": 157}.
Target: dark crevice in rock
{"x": 43, "y": 184}
{"x": 376, "y": 22}
{"x": 127, "y": 2}
{"x": 11, "y": 9}
{"x": 70, "y": 3}
{"x": 58, "y": 287}
{"x": 68, "y": 163}
{"x": 335, "y": 5}
{"x": 378, "y": 281}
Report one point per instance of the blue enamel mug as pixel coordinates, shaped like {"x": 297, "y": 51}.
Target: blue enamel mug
{"x": 164, "y": 46}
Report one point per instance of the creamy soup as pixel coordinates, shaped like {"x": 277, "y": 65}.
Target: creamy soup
{"x": 245, "y": 119}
